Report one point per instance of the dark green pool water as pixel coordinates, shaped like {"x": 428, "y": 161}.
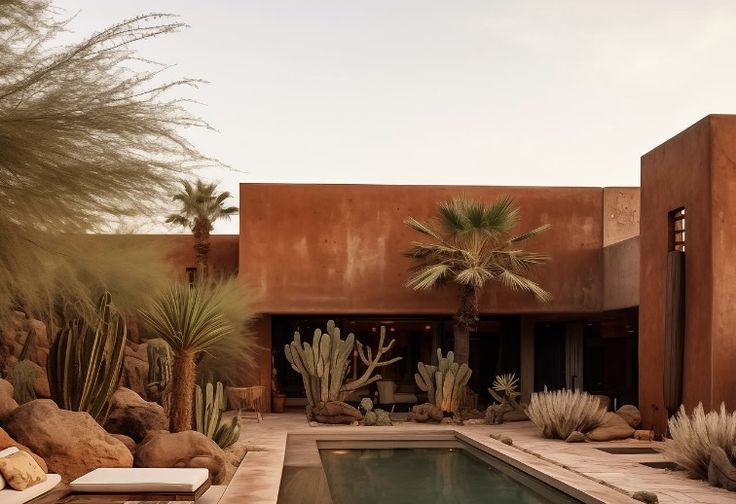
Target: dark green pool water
{"x": 429, "y": 476}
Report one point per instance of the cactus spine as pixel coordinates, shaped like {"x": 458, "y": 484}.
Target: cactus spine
{"x": 445, "y": 383}
{"x": 324, "y": 364}
{"x": 86, "y": 361}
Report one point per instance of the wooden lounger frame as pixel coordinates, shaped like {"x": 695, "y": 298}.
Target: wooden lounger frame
{"x": 110, "y": 498}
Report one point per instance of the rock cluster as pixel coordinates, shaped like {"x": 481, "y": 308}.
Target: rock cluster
{"x": 426, "y": 412}
{"x": 336, "y": 412}
{"x": 133, "y": 416}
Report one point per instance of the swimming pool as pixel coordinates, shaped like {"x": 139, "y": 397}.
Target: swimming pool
{"x": 433, "y": 467}
{"x": 459, "y": 475}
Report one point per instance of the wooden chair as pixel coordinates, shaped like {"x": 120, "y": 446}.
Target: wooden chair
{"x": 247, "y": 399}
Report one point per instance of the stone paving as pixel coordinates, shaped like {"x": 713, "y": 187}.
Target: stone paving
{"x": 608, "y": 477}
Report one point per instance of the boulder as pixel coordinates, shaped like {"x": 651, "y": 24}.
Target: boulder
{"x": 41, "y": 385}
{"x": 631, "y": 414}
{"x": 644, "y": 435}
{"x": 182, "y": 449}
{"x": 6, "y": 442}
{"x": 135, "y": 367}
{"x": 425, "y": 412}
{"x": 133, "y": 416}
{"x": 7, "y": 403}
{"x": 72, "y": 443}
{"x": 613, "y": 427}
{"x": 127, "y": 441}
{"x": 575, "y": 437}
{"x": 721, "y": 472}
{"x": 14, "y": 336}
{"x": 336, "y": 412}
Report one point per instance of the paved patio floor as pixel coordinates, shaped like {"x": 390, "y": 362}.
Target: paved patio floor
{"x": 611, "y": 478}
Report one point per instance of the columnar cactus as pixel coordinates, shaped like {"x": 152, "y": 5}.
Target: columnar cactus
{"x": 160, "y": 362}
{"x": 208, "y": 407}
{"x": 325, "y": 363}
{"x": 445, "y": 383}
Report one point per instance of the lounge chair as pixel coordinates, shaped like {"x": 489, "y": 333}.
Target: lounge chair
{"x": 388, "y": 395}
{"x": 139, "y": 484}
{"x": 10, "y": 496}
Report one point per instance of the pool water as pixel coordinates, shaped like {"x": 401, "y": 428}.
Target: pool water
{"x": 429, "y": 475}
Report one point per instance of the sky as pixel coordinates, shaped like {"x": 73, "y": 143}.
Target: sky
{"x": 461, "y": 92}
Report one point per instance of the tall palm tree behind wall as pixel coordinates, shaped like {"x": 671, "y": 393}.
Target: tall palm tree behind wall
{"x": 470, "y": 244}
{"x": 201, "y": 206}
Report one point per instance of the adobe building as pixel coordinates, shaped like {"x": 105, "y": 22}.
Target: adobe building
{"x": 309, "y": 253}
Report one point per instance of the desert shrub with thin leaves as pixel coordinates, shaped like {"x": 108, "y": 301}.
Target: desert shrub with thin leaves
{"x": 693, "y": 437}
{"x": 558, "y": 413}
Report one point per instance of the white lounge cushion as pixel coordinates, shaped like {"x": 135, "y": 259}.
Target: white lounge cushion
{"x": 10, "y": 496}
{"x": 140, "y": 480}
{"x": 5, "y": 453}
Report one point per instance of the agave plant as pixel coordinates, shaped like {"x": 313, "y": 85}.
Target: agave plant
{"x": 86, "y": 361}
{"x": 693, "y": 438}
{"x": 560, "y": 412}
{"x": 506, "y": 385}
{"x": 191, "y": 320}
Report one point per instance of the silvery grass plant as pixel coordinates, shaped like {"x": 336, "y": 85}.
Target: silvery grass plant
{"x": 560, "y": 412}
{"x": 693, "y": 437}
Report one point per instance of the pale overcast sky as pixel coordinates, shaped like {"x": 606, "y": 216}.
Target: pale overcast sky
{"x": 441, "y": 92}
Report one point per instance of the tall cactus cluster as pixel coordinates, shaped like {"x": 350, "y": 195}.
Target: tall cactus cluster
{"x": 86, "y": 361}
{"x": 445, "y": 383}
{"x": 325, "y": 363}
{"x": 208, "y": 408}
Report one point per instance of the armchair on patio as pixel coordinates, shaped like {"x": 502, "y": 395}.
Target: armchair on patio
{"x": 387, "y": 394}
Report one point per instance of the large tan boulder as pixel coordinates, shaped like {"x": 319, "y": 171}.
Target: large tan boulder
{"x": 133, "y": 416}
{"x": 135, "y": 367}
{"x": 336, "y": 412}
{"x": 613, "y": 427}
{"x": 6, "y": 442}
{"x": 41, "y": 385}
{"x": 14, "y": 335}
{"x": 7, "y": 403}
{"x": 631, "y": 414}
{"x": 72, "y": 443}
{"x": 182, "y": 449}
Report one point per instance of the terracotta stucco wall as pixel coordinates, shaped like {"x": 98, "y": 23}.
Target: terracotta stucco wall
{"x": 621, "y": 214}
{"x": 337, "y": 248}
{"x": 673, "y": 175}
{"x": 621, "y": 274}
{"x": 223, "y": 257}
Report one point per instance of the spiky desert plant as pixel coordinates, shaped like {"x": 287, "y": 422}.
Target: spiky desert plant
{"x": 693, "y": 438}
{"x": 444, "y": 383}
{"x": 560, "y": 412}
{"x": 22, "y": 375}
{"x": 228, "y": 432}
{"x": 471, "y": 244}
{"x": 86, "y": 361}
{"x": 506, "y": 385}
{"x": 200, "y": 206}
{"x": 192, "y": 320}
{"x": 89, "y": 135}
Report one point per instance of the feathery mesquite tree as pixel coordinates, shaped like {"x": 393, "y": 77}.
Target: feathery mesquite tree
{"x": 88, "y": 134}
{"x": 201, "y": 206}
{"x": 472, "y": 244}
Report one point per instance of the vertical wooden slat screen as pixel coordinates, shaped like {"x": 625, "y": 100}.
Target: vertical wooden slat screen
{"x": 674, "y": 330}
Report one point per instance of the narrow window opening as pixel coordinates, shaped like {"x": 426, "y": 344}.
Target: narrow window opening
{"x": 677, "y": 229}
{"x": 191, "y": 275}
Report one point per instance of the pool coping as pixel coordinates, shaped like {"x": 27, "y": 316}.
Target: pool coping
{"x": 258, "y": 479}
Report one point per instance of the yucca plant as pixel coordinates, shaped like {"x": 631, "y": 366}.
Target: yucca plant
{"x": 192, "y": 321}
{"x": 693, "y": 438}
{"x": 471, "y": 244}
{"x": 86, "y": 361}
{"x": 560, "y": 412}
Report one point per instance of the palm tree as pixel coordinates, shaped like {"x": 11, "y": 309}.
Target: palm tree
{"x": 471, "y": 244}
{"x": 201, "y": 206}
{"x": 192, "y": 320}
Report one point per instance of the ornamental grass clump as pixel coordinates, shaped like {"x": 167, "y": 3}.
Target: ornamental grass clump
{"x": 560, "y": 412}
{"x": 693, "y": 438}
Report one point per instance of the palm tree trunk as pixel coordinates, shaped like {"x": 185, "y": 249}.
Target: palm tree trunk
{"x": 465, "y": 322}
{"x": 202, "y": 248}
{"x": 182, "y": 383}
